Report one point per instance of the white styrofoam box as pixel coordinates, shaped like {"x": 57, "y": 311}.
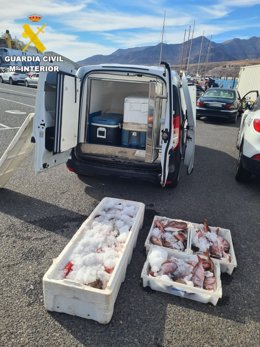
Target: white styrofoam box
{"x": 225, "y": 265}
{"x": 136, "y": 110}
{"x": 179, "y": 289}
{"x": 67, "y": 296}
{"x": 148, "y": 242}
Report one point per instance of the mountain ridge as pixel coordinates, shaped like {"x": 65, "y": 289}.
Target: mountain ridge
{"x": 177, "y": 54}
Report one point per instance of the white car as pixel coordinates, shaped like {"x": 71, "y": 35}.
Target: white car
{"x": 32, "y": 80}
{"x": 248, "y": 143}
{"x": 12, "y": 77}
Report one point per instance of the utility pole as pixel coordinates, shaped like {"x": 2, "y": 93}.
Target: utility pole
{"x": 182, "y": 49}
{"x": 188, "y": 63}
{"x": 160, "y": 59}
{"x": 201, "y": 44}
{"x": 187, "y": 50}
{"x": 207, "y": 57}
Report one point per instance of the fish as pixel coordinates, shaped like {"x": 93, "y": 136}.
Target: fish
{"x": 168, "y": 267}
{"x": 156, "y": 241}
{"x": 177, "y": 224}
{"x": 209, "y": 283}
{"x": 198, "y": 274}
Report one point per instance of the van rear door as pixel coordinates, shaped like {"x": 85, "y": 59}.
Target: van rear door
{"x": 56, "y": 125}
{"x": 188, "y": 96}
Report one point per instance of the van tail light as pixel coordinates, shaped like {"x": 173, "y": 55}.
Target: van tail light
{"x": 176, "y": 132}
{"x": 256, "y": 157}
{"x": 229, "y": 107}
{"x": 257, "y": 125}
{"x": 71, "y": 169}
{"x": 200, "y": 103}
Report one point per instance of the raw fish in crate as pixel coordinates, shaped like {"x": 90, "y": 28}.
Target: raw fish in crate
{"x": 195, "y": 277}
{"x": 216, "y": 241}
{"x": 170, "y": 233}
{"x": 84, "y": 280}
{"x": 95, "y": 256}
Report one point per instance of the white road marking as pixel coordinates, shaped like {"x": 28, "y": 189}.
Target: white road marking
{"x": 16, "y": 102}
{"x": 9, "y": 128}
{"x": 17, "y": 92}
{"x": 4, "y": 126}
{"x": 15, "y": 112}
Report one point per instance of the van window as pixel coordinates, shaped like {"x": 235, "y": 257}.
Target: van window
{"x": 176, "y": 100}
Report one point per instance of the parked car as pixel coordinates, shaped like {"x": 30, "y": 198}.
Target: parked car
{"x": 12, "y": 77}
{"x": 218, "y": 102}
{"x": 248, "y": 143}
{"x": 32, "y": 80}
{"x": 199, "y": 91}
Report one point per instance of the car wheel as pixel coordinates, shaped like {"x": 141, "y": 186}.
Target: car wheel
{"x": 242, "y": 175}
{"x": 26, "y": 84}
{"x": 197, "y": 116}
{"x": 1, "y": 80}
{"x": 11, "y": 81}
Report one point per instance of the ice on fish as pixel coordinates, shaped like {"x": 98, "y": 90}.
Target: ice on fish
{"x": 96, "y": 255}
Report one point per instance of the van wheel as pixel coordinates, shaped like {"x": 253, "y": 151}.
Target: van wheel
{"x": 1, "y": 80}
{"x": 174, "y": 171}
{"x": 11, "y": 81}
{"x": 242, "y": 175}
{"x": 26, "y": 84}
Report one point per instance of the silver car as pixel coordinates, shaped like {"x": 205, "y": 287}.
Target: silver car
{"x": 32, "y": 80}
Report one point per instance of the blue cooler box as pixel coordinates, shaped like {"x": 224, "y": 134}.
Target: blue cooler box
{"x": 134, "y": 135}
{"x": 106, "y": 129}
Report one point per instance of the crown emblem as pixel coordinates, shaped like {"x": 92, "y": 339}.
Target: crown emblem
{"x": 35, "y": 18}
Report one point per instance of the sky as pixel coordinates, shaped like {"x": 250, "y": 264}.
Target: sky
{"x": 79, "y": 29}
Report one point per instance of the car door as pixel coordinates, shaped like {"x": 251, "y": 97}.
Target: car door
{"x": 188, "y": 96}
{"x": 55, "y": 128}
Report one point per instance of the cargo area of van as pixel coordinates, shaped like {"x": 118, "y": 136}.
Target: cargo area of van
{"x": 122, "y": 116}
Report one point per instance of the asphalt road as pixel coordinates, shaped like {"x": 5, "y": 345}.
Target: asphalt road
{"x": 40, "y": 214}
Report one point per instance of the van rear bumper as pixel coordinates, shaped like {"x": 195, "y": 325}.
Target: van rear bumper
{"x": 86, "y": 165}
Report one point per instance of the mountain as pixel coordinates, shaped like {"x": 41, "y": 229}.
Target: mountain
{"x": 235, "y": 49}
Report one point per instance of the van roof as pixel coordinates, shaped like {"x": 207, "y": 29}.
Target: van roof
{"x": 155, "y": 70}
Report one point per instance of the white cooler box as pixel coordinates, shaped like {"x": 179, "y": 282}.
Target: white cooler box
{"x": 136, "y": 110}
{"x": 61, "y": 294}
{"x": 179, "y": 289}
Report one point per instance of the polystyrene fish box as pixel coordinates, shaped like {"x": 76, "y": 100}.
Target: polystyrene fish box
{"x": 167, "y": 285}
{"x": 136, "y": 110}
{"x": 169, "y": 233}
{"x": 227, "y": 264}
{"x": 100, "y": 250}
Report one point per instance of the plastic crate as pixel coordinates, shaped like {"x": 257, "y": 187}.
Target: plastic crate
{"x": 179, "y": 289}
{"x": 64, "y": 295}
{"x": 225, "y": 265}
{"x": 148, "y": 242}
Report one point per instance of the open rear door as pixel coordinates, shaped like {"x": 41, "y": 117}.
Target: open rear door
{"x": 17, "y": 151}
{"x": 55, "y": 126}
{"x": 188, "y": 95}
{"x": 167, "y": 133}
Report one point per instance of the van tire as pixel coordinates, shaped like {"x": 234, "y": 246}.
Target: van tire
{"x": 11, "y": 81}
{"x": 1, "y": 80}
{"x": 174, "y": 176}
